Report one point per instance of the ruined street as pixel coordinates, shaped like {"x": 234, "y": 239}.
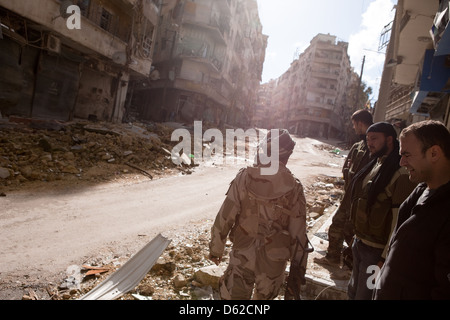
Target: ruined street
{"x": 45, "y": 227}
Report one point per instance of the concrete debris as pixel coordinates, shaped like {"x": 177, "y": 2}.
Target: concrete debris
{"x": 145, "y": 289}
{"x": 38, "y": 150}
{"x": 70, "y": 283}
{"x": 209, "y": 276}
{"x": 70, "y": 151}
{"x": 322, "y": 195}
{"x": 141, "y": 297}
{"x": 4, "y": 173}
{"x": 205, "y": 294}
{"x": 179, "y": 281}
{"x": 184, "y": 272}
{"x": 31, "y": 295}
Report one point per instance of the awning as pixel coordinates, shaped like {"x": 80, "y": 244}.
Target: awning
{"x": 435, "y": 78}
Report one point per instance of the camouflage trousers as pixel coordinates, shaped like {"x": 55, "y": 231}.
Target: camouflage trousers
{"x": 340, "y": 230}
{"x": 252, "y": 275}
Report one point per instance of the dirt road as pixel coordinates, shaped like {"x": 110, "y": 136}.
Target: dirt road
{"x": 45, "y": 230}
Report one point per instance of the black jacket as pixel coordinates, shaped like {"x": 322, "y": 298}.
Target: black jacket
{"x": 418, "y": 263}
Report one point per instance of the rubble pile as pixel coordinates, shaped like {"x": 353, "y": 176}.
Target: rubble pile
{"x": 184, "y": 272}
{"x": 180, "y": 273}
{"x": 322, "y": 195}
{"x": 96, "y": 152}
{"x": 83, "y": 151}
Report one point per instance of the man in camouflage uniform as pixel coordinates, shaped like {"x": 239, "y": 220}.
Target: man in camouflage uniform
{"x": 265, "y": 218}
{"x": 341, "y": 228}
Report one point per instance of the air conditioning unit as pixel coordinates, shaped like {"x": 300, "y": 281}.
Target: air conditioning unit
{"x": 53, "y": 44}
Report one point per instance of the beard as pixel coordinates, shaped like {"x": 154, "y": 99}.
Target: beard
{"x": 383, "y": 151}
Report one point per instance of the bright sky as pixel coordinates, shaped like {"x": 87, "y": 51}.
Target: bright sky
{"x": 292, "y": 24}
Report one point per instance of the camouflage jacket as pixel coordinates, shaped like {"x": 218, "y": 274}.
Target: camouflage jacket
{"x": 265, "y": 211}
{"x": 358, "y": 158}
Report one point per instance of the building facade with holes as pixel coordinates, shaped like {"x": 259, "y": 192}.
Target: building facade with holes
{"x": 208, "y": 63}
{"x": 65, "y": 60}
{"x": 314, "y": 96}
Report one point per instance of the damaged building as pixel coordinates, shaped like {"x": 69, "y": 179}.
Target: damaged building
{"x": 313, "y": 95}
{"x": 53, "y": 68}
{"x": 415, "y": 85}
{"x": 208, "y": 63}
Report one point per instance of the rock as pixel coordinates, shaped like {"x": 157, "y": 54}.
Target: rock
{"x": 70, "y": 283}
{"x": 76, "y": 147}
{"x": 27, "y": 172}
{"x": 70, "y": 169}
{"x": 4, "y": 173}
{"x": 314, "y": 215}
{"x": 127, "y": 140}
{"x": 204, "y": 293}
{"x": 146, "y": 289}
{"x": 209, "y": 276}
{"x": 69, "y": 156}
{"x": 179, "y": 281}
{"x": 47, "y": 157}
{"x": 106, "y": 156}
{"x": 318, "y": 209}
{"x": 163, "y": 267}
{"x": 73, "y": 292}
{"x": 66, "y": 295}
{"x": 45, "y": 145}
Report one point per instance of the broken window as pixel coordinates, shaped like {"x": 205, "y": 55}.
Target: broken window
{"x": 385, "y": 36}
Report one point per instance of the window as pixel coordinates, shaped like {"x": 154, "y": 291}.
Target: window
{"x": 84, "y": 6}
{"x": 146, "y": 46}
{"x": 105, "y": 19}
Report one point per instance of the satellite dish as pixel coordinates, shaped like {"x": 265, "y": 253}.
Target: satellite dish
{"x": 63, "y": 8}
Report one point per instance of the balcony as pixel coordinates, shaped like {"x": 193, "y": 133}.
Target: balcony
{"x": 211, "y": 90}
{"x": 399, "y": 108}
{"x": 199, "y": 52}
{"x": 321, "y": 45}
{"x": 319, "y": 104}
{"x": 321, "y": 89}
{"x": 201, "y": 16}
{"x": 325, "y": 73}
{"x": 328, "y": 60}
{"x": 332, "y": 119}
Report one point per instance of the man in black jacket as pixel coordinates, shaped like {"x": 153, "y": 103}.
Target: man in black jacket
{"x": 418, "y": 263}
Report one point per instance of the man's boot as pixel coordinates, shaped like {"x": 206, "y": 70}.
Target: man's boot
{"x": 333, "y": 256}
{"x": 329, "y": 259}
